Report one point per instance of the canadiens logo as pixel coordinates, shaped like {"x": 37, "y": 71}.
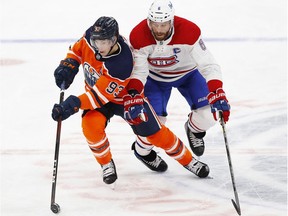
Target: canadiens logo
{"x": 163, "y": 61}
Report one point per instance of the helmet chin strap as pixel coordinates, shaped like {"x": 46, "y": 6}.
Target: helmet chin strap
{"x": 110, "y": 49}
{"x": 98, "y": 56}
{"x": 170, "y": 33}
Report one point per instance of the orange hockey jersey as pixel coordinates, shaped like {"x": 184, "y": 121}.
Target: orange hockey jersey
{"x": 105, "y": 79}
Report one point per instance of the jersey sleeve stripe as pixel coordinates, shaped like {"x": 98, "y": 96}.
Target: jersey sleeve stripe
{"x": 91, "y": 100}
{"x": 97, "y": 98}
{"x": 100, "y": 96}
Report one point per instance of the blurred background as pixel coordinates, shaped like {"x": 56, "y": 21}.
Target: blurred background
{"x": 249, "y": 40}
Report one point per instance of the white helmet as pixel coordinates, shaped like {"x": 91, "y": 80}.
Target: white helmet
{"x": 161, "y": 11}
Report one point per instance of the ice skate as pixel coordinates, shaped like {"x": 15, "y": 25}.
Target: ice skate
{"x": 196, "y": 141}
{"x": 198, "y": 168}
{"x": 152, "y": 160}
{"x": 109, "y": 172}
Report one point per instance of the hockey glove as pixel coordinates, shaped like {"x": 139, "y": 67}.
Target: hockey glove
{"x": 67, "y": 108}
{"x": 134, "y": 111}
{"x": 219, "y": 103}
{"x": 66, "y": 72}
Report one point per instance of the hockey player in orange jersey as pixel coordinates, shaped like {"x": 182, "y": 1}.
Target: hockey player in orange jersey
{"x": 108, "y": 65}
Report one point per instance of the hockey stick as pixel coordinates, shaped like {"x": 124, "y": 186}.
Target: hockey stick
{"x": 235, "y": 204}
{"x": 55, "y": 208}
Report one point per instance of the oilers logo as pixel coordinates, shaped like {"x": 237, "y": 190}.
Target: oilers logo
{"x": 91, "y": 75}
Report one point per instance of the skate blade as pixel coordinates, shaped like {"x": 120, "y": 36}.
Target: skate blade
{"x": 113, "y": 186}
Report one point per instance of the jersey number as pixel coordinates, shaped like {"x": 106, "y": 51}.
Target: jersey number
{"x": 114, "y": 88}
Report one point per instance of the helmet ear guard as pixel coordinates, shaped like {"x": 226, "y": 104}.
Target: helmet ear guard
{"x": 161, "y": 11}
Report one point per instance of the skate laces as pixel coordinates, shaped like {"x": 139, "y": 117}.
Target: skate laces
{"x": 108, "y": 169}
{"x": 196, "y": 142}
{"x": 155, "y": 162}
{"x": 194, "y": 166}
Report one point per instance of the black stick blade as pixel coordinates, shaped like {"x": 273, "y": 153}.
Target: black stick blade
{"x": 236, "y": 207}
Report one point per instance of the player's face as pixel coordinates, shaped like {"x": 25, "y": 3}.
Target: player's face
{"x": 103, "y": 46}
{"x": 160, "y": 30}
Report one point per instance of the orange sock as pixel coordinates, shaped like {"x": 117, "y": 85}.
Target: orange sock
{"x": 172, "y": 145}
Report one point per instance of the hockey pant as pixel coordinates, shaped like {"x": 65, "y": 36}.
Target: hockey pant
{"x": 94, "y": 123}
{"x": 193, "y": 88}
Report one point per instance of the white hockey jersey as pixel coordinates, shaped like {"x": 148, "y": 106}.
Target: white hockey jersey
{"x": 169, "y": 60}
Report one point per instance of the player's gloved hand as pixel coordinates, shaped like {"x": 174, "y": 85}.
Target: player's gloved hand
{"x": 219, "y": 103}
{"x": 67, "y": 108}
{"x": 66, "y": 72}
{"x": 134, "y": 111}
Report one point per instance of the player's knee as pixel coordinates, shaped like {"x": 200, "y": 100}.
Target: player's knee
{"x": 93, "y": 126}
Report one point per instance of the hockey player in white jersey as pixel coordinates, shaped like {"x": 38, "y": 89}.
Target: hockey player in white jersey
{"x": 170, "y": 53}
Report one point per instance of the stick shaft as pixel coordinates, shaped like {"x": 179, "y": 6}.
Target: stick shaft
{"x": 230, "y": 165}
{"x": 56, "y": 154}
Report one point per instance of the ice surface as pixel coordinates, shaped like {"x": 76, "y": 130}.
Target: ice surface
{"x": 249, "y": 40}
